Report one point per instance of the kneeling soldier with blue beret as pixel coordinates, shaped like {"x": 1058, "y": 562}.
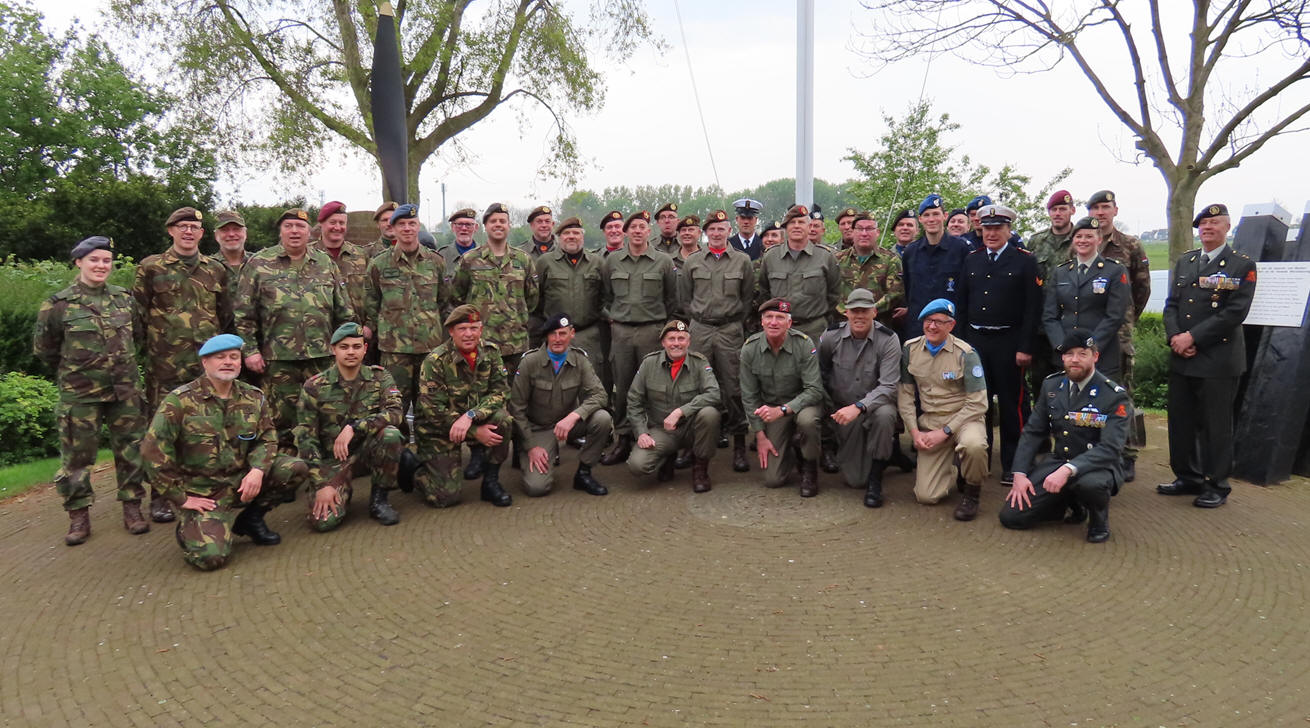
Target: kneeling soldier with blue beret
{"x": 349, "y": 413}
{"x": 557, "y": 396}
{"x": 1087, "y": 415}
{"x": 211, "y": 450}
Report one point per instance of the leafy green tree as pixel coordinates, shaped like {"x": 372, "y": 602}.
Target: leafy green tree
{"x": 279, "y": 77}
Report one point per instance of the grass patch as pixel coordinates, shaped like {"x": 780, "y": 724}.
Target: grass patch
{"x": 1158, "y": 252}
{"x": 18, "y": 479}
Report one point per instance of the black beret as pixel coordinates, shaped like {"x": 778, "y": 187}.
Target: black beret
{"x": 642, "y": 215}
{"x": 668, "y": 207}
{"x": 1209, "y": 211}
{"x": 1101, "y": 196}
{"x": 903, "y": 215}
{"x": 495, "y": 207}
{"x": 554, "y": 323}
{"x": 95, "y": 242}
{"x": 1078, "y": 338}
{"x": 611, "y": 216}
{"x": 1087, "y": 223}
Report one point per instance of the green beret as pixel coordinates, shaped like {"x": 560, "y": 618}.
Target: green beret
{"x": 347, "y": 330}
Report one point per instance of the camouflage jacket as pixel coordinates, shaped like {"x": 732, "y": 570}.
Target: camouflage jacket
{"x": 880, "y": 274}
{"x": 1127, "y": 250}
{"x": 503, "y": 289}
{"x": 1049, "y": 250}
{"x": 233, "y": 271}
{"x": 199, "y": 443}
{"x": 85, "y": 335}
{"x": 405, "y": 297}
{"x": 288, "y": 311}
{"x": 182, "y": 306}
{"x": 328, "y": 403}
{"x": 352, "y": 264}
{"x": 448, "y": 388}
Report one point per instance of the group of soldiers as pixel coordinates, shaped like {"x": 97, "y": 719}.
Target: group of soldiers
{"x": 669, "y": 343}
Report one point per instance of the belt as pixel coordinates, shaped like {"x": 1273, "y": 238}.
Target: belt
{"x": 990, "y": 329}
{"x": 717, "y": 322}
{"x": 640, "y": 323}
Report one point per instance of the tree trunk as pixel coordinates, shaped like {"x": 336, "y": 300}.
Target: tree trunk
{"x": 411, "y": 176}
{"x": 1181, "y": 208}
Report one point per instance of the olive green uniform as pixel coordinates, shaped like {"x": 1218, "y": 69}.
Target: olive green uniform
{"x": 203, "y": 445}
{"x": 405, "y": 298}
{"x": 541, "y": 397}
{"x": 576, "y": 292}
{"x": 371, "y": 405}
{"x": 790, "y": 377}
{"x": 640, "y": 295}
{"x": 85, "y": 335}
{"x": 718, "y": 292}
{"x": 952, "y": 391}
{"x": 448, "y": 388}
{"x": 809, "y": 279}
{"x": 655, "y": 393}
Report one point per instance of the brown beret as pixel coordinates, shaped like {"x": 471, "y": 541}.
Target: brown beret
{"x": 859, "y": 215}
{"x": 572, "y": 222}
{"x": 689, "y": 221}
{"x": 668, "y": 207}
{"x": 713, "y": 217}
{"x": 464, "y": 314}
{"x": 330, "y": 209}
{"x": 184, "y": 214}
{"x": 466, "y": 213}
{"x": 611, "y": 216}
{"x": 674, "y": 325}
{"x": 848, "y": 212}
{"x": 387, "y": 207}
{"x": 294, "y": 213}
{"x": 538, "y": 212}
{"x": 794, "y": 212}
{"x": 639, "y": 215}
{"x": 776, "y": 304}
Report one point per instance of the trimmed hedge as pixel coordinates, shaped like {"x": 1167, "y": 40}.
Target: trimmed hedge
{"x": 27, "y": 418}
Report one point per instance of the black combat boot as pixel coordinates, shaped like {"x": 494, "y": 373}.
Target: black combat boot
{"x": 250, "y": 522}
{"x": 968, "y": 508}
{"x": 873, "y": 491}
{"x": 492, "y": 492}
{"x": 739, "y": 462}
{"x": 809, "y": 478}
{"x": 1130, "y": 469}
{"x": 700, "y": 476}
{"x": 618, "y": 452}
{"x": 667, "y": 467}
{"x": 1098, "y": 524}
{"x": 161, "y": 511}
{"x": 477, "y": 461}
{"x": 409, "y": 465}
{"x": 828, "y": 461}
{"x": 380, "y": 510}
{"x": 584, "y": 480}
{"x": 899, "y": 458}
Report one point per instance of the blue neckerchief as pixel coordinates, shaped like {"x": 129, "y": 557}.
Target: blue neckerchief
{"x": 462, "y": 250}
{"x": 557, "y": 360}
{"x": 934, "y": 350}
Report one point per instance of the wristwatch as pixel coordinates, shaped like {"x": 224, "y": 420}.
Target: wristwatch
{"x": 782, "y": 409}
{"x": 860, "y": 406}
{"x": 471, "y": 414}
{"x": 947, "y": 430}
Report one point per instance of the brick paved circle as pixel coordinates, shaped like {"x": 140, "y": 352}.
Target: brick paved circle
{"x": 654, "y": 606}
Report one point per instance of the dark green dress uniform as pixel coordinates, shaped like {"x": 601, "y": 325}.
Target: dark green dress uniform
{"x": 183, "y": 303}
{"x": 450, "y": 387}
{"x": 656, "y": 392}
{"x": 640, "y": 294}
{"x": 718, "y": 291}
{"x": 1209, "y": 301}
{"x": 1090, "y": 429}
{"x": 504, "y": 289}
{"x": 201, "y": 444}
{"x": 541, "y": 396}
{"x": 405, "y": 300}
{"x": 1094, "y": 299}
{"x": 85, "y": 335}
{"x": 810, "y": 279}
{"x": 789, "y": 378}
{"x": 574, "y": 289}
{"x": 287, "y": 310}
{"x": 371, "y": 404}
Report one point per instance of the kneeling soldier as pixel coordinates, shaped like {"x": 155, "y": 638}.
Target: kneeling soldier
{"x": 461, "y": 397}
{"x": 212, "y": 452}
{"x": 558, "y": 396}
{"x": 674, "y": 403}
{"x": 349, "y": 413}
{"x": 1087, "y": 414}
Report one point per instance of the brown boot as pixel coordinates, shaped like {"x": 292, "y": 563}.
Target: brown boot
{"x": 161, "y": 511}
{"x": 968, "y": 508}
{"x": 809, "y": 478}
{"x": 133, "y": 521}
{"x": 618, "y": 453}
{"x": 739, "y": 462}
{"x": 79, "y": 526}
{"x": 700, "y": 475}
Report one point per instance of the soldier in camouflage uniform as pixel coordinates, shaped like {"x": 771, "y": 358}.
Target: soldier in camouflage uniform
{"x": 351, "y": 260}
{"x": 1050, "y": 248}
{"x": 461, "y": 397}
{"x": 183, "y": 300}
{"x": 569, "y": 280}
{"x": 385, "y": 237}
{"x": 865, "y": 265}
{"x": 1127, "y": 251}
{"x": 230, "y": 232}
{"x": 803, "y": 272}
{"x": 501, "y": 282}
{"x": 349, "y": 414}
{"x": 84, "y": 334}
{"x": 289, "y": 301}
{"x": 212, "y": 451}
{"x": 406, "y": 293}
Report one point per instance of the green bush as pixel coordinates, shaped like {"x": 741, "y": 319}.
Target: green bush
{"x": 1151, "y": 368}
{"x": 27, "y": 418}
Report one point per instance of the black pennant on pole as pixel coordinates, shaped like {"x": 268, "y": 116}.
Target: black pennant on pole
{"x": 387, "y": 103}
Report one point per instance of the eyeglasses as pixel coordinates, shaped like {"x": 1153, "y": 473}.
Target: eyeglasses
{"x": 932, "y": 323}
{"x": 190, "y": 227}
{"x": 464, "y": 224}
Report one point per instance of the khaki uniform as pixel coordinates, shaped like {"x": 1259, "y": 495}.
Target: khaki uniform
{"x": 867, "y": 371}
{"x": 951, "y": 391}
{"x": 85, "y": 335}
{"x": 788, "y": 377}
{"x": 809, "y": 279}
{"x": 655, "y": 393}
{"x": 504, "y": 290}
{"x": 640, "y": 294}
{"x": 405, "y": 298}
{"x": 576, "y": 292}
{"x": 372, "y": 405}
{"x": 718, "y": 293}
{"x": 540, "y": 397}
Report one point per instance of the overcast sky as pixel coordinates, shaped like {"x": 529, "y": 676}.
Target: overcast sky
{"x": 742, "y": 53}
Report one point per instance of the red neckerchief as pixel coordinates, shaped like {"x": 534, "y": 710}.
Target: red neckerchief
{"x": 675, "y": 367}
{"x": 471, "y": 358}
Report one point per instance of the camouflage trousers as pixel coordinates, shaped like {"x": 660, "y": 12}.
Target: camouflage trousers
{"x": 206, "y": 536}
{"x": 404, "y": 369}
{"x": 1125, "y": 380}
{"x": 439, "y": 479}
{"x": 79, "y": 439}
{"x": 378, "y": 452}
{"x": 282, "y": 383}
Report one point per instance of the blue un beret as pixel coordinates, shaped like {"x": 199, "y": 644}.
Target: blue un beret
{"x": 222, "y": 342}
{"x": 938, "y": 305}
{"x": 403, "y": 212}
{"x": 929, "y": 202}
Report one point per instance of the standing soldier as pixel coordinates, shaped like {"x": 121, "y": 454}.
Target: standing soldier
{"x": 383, "y": 219}
{"x": 463, "y": 224}
{"x": 943, "y": 403}
{"x": 817, "y": 227}
{"x": 718, "y": 288}
{"x": 687, "y": 243}
{"x": 230, "y": 232}
{"x": 1090, "y": 294}
{"x": 674, "y": 403}
{"x": 782, "y": 393}
{"x": 845, "y": 221}
{"x": 861, "y": 366}
{"x": 1210, "y": 292}
{"x": 748, "y": 217}
{"x": 666, "y": 219}
{"x": 611, "y": 226}
{"x": 289, "y": 301}
{"x": 569, "y": 280}
{"x": 1050, "y": 248}
{"x": 865, "y": 265}
{"x": 905, "y": 227}
{"x": 183, "y": 300}
{"x": 542, "y": 223}
{"x": 84, "y": 334}
{"x": 461, "y": 397}
{"x": 932, "y": 265}
{"x": 640, "y": 291}
{"x": 405, "y": 293}
{"x": 351, "y": 260}
{"x": 501, "y": 282}
{"x": 349, "y": 413}
{"x": 805, "y": 274}
{"x": 557, "y": 396}
{"x": 213, "y": 452}
{"x": 1126, "y": 250}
